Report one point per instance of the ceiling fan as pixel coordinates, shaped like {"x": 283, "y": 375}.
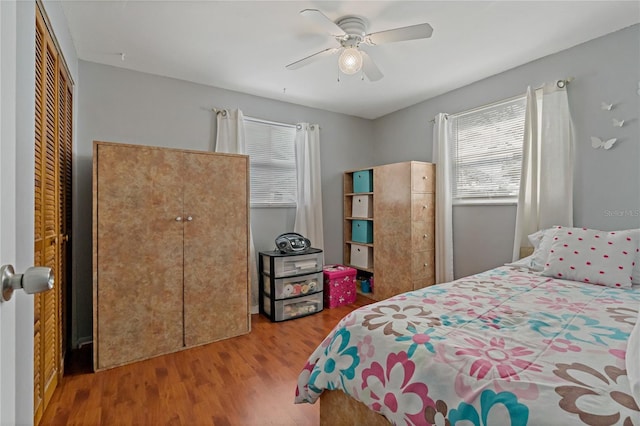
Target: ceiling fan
{"x": 351, "y": 34}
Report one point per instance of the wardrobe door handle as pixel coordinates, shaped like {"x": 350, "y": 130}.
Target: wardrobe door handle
{"x": 179, "y": 219}
{"x": 189, "y": 218}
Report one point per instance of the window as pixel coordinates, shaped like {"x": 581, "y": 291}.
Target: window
{"x": 272, "y": 162}
{"x": 487, "y": 152}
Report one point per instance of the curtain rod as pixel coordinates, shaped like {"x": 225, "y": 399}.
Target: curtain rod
{"x": 559, "y": 83}
{"x": 257, "y": 120}
{"x": 273, "y": 123}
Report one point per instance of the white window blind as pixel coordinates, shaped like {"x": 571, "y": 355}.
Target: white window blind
{"x": 487, "y": 157}
{"x": 272, "y": 161}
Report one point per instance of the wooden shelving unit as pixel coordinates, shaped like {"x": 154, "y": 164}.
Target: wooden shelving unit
{"x": 403, "y": 221}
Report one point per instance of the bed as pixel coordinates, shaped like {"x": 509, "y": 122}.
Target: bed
{"x": 515, "y": 345}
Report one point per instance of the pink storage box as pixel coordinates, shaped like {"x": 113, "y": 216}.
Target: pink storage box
{"x": 339, "y": 285}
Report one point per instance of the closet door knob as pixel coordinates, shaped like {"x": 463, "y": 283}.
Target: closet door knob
{"x": 189, "y": 218}
{"x": 426, "y": 236}
{"x": 179, "y": 219}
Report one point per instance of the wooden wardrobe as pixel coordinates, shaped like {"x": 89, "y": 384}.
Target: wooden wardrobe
{"x": 170, "y": 251}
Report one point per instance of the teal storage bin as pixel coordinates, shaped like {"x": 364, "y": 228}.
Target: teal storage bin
{"x": 362, "y": 231}
{"x": 363, "y": 181}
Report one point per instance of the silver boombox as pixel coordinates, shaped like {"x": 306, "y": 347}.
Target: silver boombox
{"x": 292, "y": 242}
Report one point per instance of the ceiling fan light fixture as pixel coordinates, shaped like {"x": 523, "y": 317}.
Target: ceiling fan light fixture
{"x": 350, "y": 61}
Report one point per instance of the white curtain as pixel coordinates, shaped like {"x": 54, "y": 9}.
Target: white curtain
{"x": 546, "y": 182}
{"x": 230, "y": 132}
{"x": 309, "y": 203}
{"x": 444, "y": 217}
{"x": 230, "y": 139}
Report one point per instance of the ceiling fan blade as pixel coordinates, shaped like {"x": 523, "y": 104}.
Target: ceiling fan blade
{"x": 312, "y": 58}
{"x": 369, "y": 68}
{"x": 411, "y": 32}
{"x": 320, "y": 19}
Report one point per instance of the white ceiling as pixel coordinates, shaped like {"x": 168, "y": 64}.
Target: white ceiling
{"x": 245, "y": 45}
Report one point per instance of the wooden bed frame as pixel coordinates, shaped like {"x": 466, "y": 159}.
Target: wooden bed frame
{"x": 339, "y": 409}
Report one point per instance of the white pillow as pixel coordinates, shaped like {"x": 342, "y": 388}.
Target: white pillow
{"x": 591, "y": 256}
{"x": 536, "y": 237}
{"x": 544, "y": 240}
{"x": 535, "y": 261}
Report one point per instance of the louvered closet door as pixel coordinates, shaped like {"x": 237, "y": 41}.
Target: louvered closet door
{"x": 46, "y": 359}
{"x": 52, "y": 204}
{"x": 215, "y": 247}
{"x": 65, "y": 128}
{"x": 38, "y": 237}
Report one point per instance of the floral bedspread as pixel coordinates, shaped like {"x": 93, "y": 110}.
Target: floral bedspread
{"x": 504, "y": 347}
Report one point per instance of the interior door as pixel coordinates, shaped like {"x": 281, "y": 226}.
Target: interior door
{"x": 12, "y": 332}
{"x": 7, "y": 314}
{"x": 216, "y": 249}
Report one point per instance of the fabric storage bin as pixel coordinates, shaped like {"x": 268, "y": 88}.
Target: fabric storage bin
{"x": 293, "y": 308}
{"x": 361, "y": 256}
{"x": 363, "y": 181}
{"x": 362, "y": 231}
{"x": 339, "y": 285}
{"x": 362, "y": 206}
{"x": 292, "y": 286}
{"x": 293, "y": 265}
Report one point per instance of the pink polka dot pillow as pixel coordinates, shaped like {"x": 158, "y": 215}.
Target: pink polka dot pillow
{"x": 635, "y": 276}
{"x": 591, "y": 256}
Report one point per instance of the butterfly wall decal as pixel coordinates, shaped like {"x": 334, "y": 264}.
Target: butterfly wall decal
{"x": 617, "y": 123}
{"x": 605, "y": 106}
{"x": 599, "y": 143}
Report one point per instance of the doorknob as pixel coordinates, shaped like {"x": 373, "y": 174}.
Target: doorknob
{"x": 34, "y": 280}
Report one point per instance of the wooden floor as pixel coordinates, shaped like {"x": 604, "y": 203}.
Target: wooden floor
{"x": 246, "y": 380}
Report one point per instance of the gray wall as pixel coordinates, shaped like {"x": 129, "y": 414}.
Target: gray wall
{"x": 607, "y": 183}
{"x": 131, "y": 107}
